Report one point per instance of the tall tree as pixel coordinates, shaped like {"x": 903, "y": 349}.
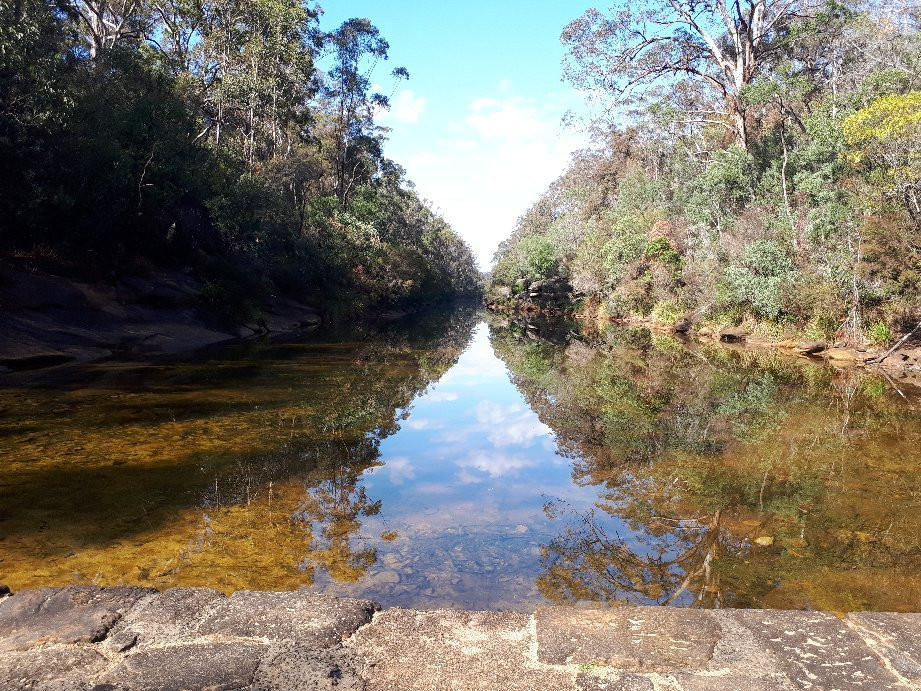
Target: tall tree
{"x": 719, "y": 46}
{"x": 108, "y": 22}
{"x": 354, "y": 43}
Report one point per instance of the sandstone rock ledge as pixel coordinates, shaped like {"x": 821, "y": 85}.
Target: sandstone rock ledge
{"x": 86, "y": 637}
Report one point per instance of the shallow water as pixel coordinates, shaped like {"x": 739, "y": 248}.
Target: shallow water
{"x": 447, "y": 462}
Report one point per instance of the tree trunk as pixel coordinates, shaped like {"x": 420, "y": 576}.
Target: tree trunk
{"x": 739, "y": 126}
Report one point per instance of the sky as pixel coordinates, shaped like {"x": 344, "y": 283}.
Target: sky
{"x": 478, "y": 126}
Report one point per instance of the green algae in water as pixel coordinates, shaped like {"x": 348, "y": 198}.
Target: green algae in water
{"x": 444, "y": 462}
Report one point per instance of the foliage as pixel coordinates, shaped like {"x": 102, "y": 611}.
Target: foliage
{"x": 879, "y": 333}
{"x": 539, "y": 255}
{"x": 204, "y": 136}
{"x": 886, "y": 138}
{"x": 761, "y": 280}
{"x": 789, "y": 196}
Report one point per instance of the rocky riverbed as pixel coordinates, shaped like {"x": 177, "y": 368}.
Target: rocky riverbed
{"x": 119, "y": 638}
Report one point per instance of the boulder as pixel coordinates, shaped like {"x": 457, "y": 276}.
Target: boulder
{"x": 810, "y": 347}
{"x": 732, "y": 334}
{"x": 839, "y": 354}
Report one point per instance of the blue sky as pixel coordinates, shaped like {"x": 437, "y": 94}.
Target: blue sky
{"x": 478, "y": 125}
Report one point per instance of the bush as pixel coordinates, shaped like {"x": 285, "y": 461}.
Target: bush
{"x": 627, "y": 244}
{"x": 879, "y": 333}
{"x": 667, "y": 312}
{"x": 762, "y": 281}
{"x": 540, "y": 256}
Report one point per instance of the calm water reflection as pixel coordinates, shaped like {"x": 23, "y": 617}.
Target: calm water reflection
{"x": 448, "y": 462}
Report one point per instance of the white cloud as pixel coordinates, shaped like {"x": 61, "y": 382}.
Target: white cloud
{"x": 510, "y": 425}
{"x": 491, "y": 164}
{"x": 438, "y": 397}
{"x": 496, "y": 465}
{"x": 424, "y": 424}
{"x": 398, "y": 470}
{"x": 405, "y": 107}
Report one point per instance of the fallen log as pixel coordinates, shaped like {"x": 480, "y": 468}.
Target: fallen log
{"x": 894, "y": 348}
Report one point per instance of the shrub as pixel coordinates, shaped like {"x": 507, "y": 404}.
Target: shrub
{"x": 879, "y": 333}
{"x": 762, "y": 280}
{"x": 667, "y": 312}
{"x": 540, "y": 256}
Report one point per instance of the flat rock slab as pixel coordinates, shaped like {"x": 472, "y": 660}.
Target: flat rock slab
{"x": 205, "y": 665}
{"x": 627, "y": 638}
{"x": 588, "y": 681}
{"x": 173, "y": 615}
{"x": 894, "y": 637}
{"x": 64, "y": 664}
{"x": 332, "y": 669}
{"x": 76, "y": 614}
{"x": 306, "y": 618}
{"x": 817, "y": 650}
{"x": 449, "y": 649}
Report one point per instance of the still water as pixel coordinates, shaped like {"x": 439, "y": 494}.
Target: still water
{"x": 447, "y": 461}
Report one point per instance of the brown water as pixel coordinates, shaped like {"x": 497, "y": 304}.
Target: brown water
{"x": 447, "y": 462}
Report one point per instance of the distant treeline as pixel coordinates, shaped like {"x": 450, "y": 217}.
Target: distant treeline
{"x": 757, "y": 161}
{"x": 198, "y": 134}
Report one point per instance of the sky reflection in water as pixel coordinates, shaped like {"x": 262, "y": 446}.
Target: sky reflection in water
{"x": 464, "y": 484}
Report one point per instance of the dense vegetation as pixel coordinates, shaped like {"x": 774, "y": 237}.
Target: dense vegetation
{"x": 138, "y": 133}
{"x": 759, "y": 162}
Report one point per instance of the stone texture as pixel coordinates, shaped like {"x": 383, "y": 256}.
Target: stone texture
{"x": 124, "y": 639}
{"x": 173, "y": 615}
{"x": 739, "y": 660}
{"x": 628, "y": 638}
{"x": 76, "y": 614}
{"x": 205, "y": 665}
{"x": 306, "y": 618}
{"x": 817, "y": 650}
{"x": 715, "y": 682}
{"x": 588, "y": 681}
{"x": 308, "y": 669}
{"x": 449, "y": 649}
{"x": 62, "y": 666}
{"x": 896, "y": 638}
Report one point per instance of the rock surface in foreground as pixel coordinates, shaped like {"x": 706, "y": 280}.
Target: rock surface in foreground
{"x": 85, "y": 637}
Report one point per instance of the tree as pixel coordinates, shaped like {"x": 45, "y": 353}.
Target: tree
{"x": 349, "y": 89}
{"x": 108, "y": 22}
{"x": 253, "y": 67}
{"x": 886, "y": 138}
{"x": 715, "y": 47}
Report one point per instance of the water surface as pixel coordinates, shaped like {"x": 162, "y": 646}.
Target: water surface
{"x": 447, "y": 462}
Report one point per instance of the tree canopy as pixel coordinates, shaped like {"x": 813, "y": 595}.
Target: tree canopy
{"x": 205, "y": 134}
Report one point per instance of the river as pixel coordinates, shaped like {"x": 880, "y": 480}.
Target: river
{"x": 456, "y": 459}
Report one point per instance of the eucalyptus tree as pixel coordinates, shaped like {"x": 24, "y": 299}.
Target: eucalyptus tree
{"x": 353, "y": 45}
{"x": 254, "y": 67}
{"x": 107, "y": 23}
{"x": 714, "y": 47}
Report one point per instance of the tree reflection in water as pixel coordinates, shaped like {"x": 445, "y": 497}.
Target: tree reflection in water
{"x": 331, "y": 511}
{"x": 672, "y": 563}
{"x": 725, "y": 477}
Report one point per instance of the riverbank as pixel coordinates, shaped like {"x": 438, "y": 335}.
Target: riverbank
{"x": 903, "y": 364}
{"x": 48, "y": 319}
{"x": 119, "y": 638}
